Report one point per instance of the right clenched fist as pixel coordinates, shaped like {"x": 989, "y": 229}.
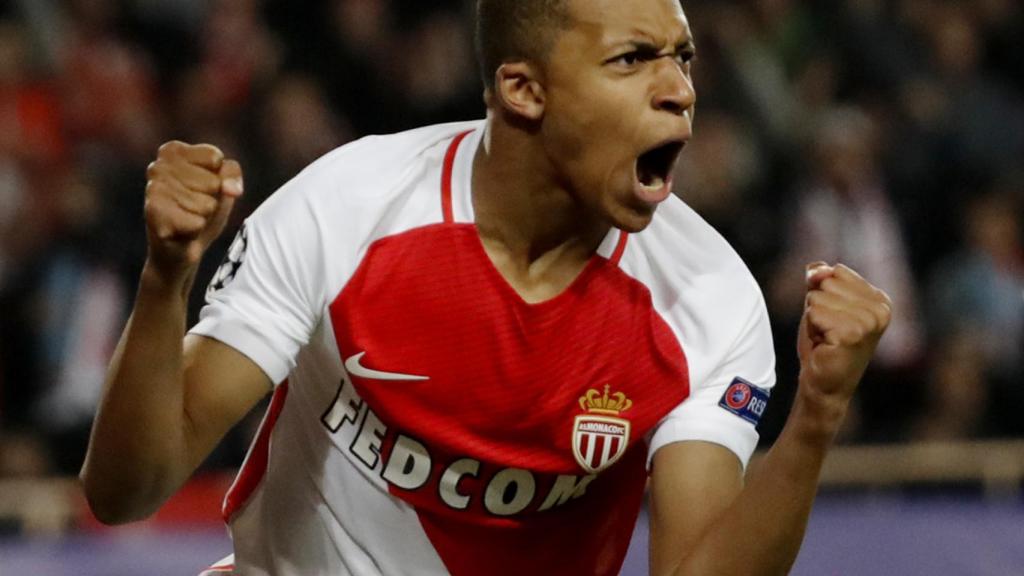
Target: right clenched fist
{"x": 190, "y": 191}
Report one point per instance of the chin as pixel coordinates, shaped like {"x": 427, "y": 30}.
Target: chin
{"x": 633, "y": 219}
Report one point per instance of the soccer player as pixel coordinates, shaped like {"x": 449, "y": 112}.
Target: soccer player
{"x": 482, "y": 338}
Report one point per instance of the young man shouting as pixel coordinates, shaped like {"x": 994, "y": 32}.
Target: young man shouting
{"x": 483, "y": 338}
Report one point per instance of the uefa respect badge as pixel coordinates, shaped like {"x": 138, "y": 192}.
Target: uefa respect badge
{"x": 745, "y": 400}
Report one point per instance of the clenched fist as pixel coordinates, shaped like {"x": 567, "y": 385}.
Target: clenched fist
{"x": 844, "y": 317}
{"x": 190, "y": 191}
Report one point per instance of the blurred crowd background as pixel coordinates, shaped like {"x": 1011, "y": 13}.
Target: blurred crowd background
{"x": 888, "y": 135}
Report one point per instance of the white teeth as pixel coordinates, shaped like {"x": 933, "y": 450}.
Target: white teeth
{"x": 656, "y": 183}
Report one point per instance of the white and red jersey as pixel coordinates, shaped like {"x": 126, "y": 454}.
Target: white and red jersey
{"x": 428, "y": 420}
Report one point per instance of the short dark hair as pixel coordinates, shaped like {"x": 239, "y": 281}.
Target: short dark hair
{"x": 510, "y": 30}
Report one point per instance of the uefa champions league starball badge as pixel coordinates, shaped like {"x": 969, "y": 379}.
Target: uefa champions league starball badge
{"x": 232, "y": 262}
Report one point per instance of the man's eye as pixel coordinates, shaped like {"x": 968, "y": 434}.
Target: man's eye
{"x": 628, "y": 59}
{"x": 685, "y": 56}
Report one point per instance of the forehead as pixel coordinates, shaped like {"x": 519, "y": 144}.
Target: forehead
{"x": 612, "y": 21}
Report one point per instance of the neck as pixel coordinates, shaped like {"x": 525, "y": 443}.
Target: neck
{"x": 521, "y": 208}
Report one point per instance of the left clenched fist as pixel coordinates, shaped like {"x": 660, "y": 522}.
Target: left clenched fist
{"x": 844, "y": 317}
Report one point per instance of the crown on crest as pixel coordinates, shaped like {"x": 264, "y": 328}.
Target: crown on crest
{"x": 613, "y": 404}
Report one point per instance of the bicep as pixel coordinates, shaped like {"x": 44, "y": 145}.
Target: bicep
{"x": 692, "y": 484}
{"x": 221, "y": 386}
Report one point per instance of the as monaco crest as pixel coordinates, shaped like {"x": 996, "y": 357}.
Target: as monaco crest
{"x": 600, "y": 437}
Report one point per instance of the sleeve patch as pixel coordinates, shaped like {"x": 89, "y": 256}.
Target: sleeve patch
{"x": 745, "y": 400}
{"x": 232, "y": 262}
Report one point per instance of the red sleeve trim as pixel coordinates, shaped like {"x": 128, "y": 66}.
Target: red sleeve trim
{"x": 255, "y": 465}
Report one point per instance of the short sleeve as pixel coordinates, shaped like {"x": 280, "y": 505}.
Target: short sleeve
{"x": 264, "y": 299}
{"x": 725, "y": 407}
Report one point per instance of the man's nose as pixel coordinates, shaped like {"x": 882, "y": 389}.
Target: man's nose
{"x": 674, "y": 91}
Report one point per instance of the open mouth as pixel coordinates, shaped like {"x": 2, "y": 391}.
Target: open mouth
{"x": 654, "y": 167}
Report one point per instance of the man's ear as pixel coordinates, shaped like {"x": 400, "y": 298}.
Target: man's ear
{"x": 518, "y": 90}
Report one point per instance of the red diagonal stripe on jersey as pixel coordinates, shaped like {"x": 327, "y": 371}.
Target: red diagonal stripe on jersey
{"x": 255, "y": 465}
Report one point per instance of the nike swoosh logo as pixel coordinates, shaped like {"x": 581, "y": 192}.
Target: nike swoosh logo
{"x": 354, "y": 368}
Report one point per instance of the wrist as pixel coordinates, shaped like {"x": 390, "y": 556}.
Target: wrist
{"x": 817, "y": 416}
{"x": 158, "y": 280}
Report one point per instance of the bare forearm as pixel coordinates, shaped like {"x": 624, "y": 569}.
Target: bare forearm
{"x": 761, "y": 532}
{"x": 164, "y": 408}
{"x": 138, "y": 453}
{"x": 717, "y": 525}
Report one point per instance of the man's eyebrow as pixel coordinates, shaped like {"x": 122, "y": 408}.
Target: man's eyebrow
{"x": 685, "y": 41}
{"x": 686, "y": 45}
{"x": 647, "y": 44}
{"x": 642, "y": 45}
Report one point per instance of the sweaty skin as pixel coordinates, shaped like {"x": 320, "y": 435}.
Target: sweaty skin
{"x": 558, "y": 168}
